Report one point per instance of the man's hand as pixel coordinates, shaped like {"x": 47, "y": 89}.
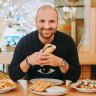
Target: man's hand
{"x": 39, "y": 58}
{"x": 31, "y": 60}
{"x": 34, "y": 58}
{"x": 48, "y": 59}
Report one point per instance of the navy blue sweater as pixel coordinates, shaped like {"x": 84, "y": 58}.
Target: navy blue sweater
{"x": 30, "y": 43}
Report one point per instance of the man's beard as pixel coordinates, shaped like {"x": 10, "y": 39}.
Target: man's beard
{"x": 45, "y": 37}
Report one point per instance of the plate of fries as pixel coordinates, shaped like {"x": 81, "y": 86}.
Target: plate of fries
{"x": 6, "y": 85}
{"x": 42, "y": 87}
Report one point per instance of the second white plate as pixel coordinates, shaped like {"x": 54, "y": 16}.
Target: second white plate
{"x": 53, "y": 81}
{"x": 49, "y": 93}
{"x": 82, "y": 89}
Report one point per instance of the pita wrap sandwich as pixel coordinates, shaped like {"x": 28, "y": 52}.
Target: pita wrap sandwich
{"x": 49, "y": 48}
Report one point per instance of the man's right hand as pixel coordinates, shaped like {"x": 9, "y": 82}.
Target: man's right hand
{"x": 33, "y": 59}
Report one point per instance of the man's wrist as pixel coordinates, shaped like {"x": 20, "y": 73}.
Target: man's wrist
{"x": 27, "y": 62}
{"x": 63, "y": 63}
{"x": 64, "y": 66}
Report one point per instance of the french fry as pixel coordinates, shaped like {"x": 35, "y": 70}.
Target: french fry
{"x": 6, "y": 83}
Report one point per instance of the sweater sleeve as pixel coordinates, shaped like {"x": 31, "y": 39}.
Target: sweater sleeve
{"x": 15, "y": 71}
{"x": 72, "y": 59}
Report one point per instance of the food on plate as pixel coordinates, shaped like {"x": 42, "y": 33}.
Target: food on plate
{"x": 5, "y": 83}
{"x": 86, "y": 84}
{"x": 49, "y": 48}
{"x": 40, "y": 85}
{"x": 56, "y": 89}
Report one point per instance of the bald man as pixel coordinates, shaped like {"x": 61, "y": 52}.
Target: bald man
{"x": 29, "y": 62}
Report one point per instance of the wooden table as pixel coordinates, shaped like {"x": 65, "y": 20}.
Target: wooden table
{"x": 22, "y": 90}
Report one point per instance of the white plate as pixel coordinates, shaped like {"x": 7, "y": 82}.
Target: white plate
{"x": 53, "y": 81}
{"x": 7, "y": 89}
{"x": 49, "y": 93}
{"x": 82, "y": 89}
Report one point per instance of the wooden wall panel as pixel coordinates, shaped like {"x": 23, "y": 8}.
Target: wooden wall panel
{"x": 93, "y": 3}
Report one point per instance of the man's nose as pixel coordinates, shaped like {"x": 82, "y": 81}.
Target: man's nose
{"x": 47, "y": 25}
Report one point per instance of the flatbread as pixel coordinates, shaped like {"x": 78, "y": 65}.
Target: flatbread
{"x": 49, "y": 48}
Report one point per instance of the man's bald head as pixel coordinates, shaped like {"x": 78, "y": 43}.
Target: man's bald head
{"x": 46, "y": 8}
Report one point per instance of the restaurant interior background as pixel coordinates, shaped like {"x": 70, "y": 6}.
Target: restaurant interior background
{"x": 77, "y": 18}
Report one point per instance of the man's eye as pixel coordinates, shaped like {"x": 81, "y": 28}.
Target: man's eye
{"x": 52, "y": 21}
{"x": 42, "y": 21}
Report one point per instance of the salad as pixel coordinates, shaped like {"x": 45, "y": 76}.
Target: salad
{"x": 86, "y": 84}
